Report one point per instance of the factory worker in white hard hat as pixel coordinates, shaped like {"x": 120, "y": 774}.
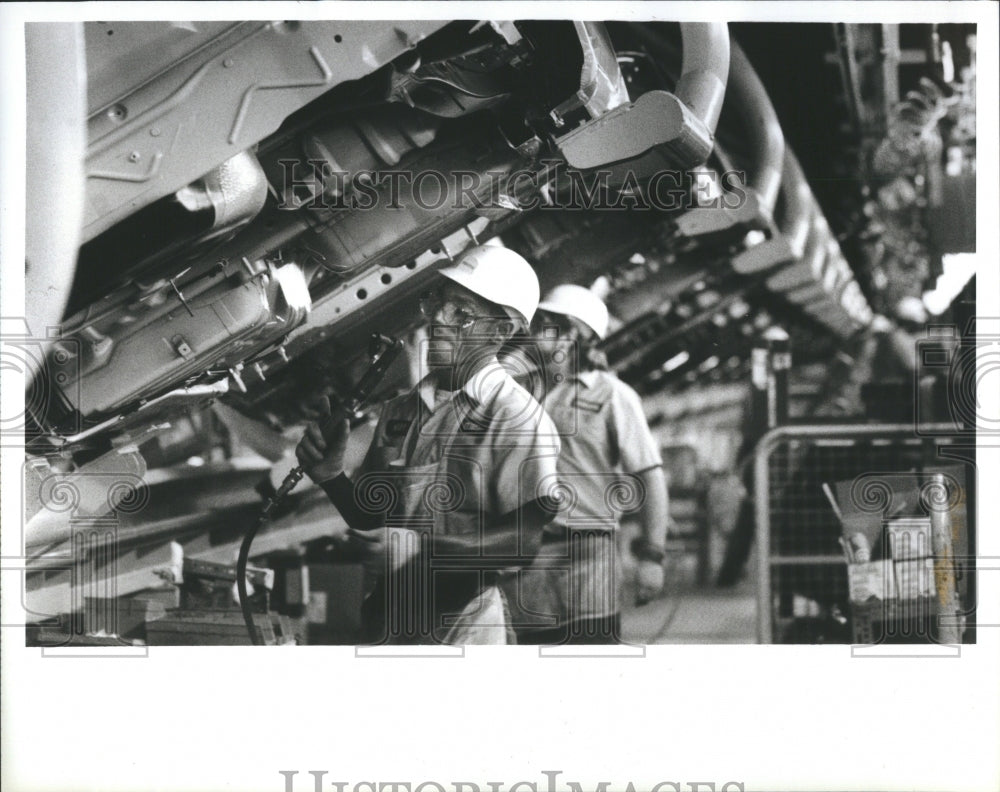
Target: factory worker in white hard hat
{"x": 609, "y": 463}
{"x": 452, "y": 489}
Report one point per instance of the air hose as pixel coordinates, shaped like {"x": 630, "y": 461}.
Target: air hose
{"x": 382, "y": 350}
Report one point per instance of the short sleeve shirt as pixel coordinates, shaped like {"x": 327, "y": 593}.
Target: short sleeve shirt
{"x": 489, "y": 447}
{"x": 604, "y": 434}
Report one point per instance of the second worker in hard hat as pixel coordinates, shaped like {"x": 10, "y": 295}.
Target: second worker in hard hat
{"x": 453, "y": 487}
{"x": 609, "y": 464}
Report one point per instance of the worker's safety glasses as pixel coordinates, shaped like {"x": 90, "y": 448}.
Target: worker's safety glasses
{"x": 434, "y": 305}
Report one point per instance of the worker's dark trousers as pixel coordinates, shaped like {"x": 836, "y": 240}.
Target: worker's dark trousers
{"x": 599, "y": 630}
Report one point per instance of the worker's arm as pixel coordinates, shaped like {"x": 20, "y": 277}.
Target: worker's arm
{"x": 654, "y": 512}
{"x": 641, "y": 457}
{"x": 520, "y": 500}
{"x": 653, "y": 515}
{"x": 512, "y": 541}
{"x": 320, "y": 452}
{"x": 340, "y": 491}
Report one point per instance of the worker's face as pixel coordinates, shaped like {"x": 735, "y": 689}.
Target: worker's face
{"x": 462, "y": 326}
{"x": 554, "y": 334}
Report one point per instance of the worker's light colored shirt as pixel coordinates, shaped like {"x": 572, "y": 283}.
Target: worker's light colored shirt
{"x": 604, "y": 433}
{"x": 446, "y": 468}
{"x": 605, "y": 442}
{"x": 488, "y": 447}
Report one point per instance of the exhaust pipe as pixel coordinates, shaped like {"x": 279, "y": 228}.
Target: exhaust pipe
{"x": 762, "y": 128}
{"x": 704, "y": 70}
{"x": 676, "y": 127}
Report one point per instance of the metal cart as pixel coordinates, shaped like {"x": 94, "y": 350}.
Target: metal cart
{"x": 800, "y": 556}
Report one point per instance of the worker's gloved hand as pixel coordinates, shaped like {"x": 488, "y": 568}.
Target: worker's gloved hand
{"x": 385, "y": 549}
{"x": 321, "y": 449}
{"x": 649, "y": 583}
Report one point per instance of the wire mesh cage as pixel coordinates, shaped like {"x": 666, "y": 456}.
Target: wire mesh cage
{"x": 820, "y": 487}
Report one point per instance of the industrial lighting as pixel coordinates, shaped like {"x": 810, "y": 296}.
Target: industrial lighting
{"x": 738, "y": 309}
{"x": 709, "y": 364}
{"x": 707, "y": 187}
{"x": 706, "y": 298}
{"x": 947, "y": 62}
{"x": 955, "y": 161}
{"x": 676, "y": 361}
{"x": 958, "y": 270}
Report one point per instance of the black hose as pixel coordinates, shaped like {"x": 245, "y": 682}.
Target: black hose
{"x": 383, "y": 351}
{"x": 241, "y": 576}
{"x": 287, "y": 486}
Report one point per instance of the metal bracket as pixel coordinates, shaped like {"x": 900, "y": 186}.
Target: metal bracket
{"x": 358, "y": 292}
{"x": 182, "y": 347}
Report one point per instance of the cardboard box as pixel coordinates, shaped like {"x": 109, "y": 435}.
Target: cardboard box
{"x": 874, "y": 580}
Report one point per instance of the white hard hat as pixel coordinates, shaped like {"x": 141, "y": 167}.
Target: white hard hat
{"x": 499, "y": 275}
{"x": 580, "y": 303}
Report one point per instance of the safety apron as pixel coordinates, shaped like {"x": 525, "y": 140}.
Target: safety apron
{"x": 402, "y": 607}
